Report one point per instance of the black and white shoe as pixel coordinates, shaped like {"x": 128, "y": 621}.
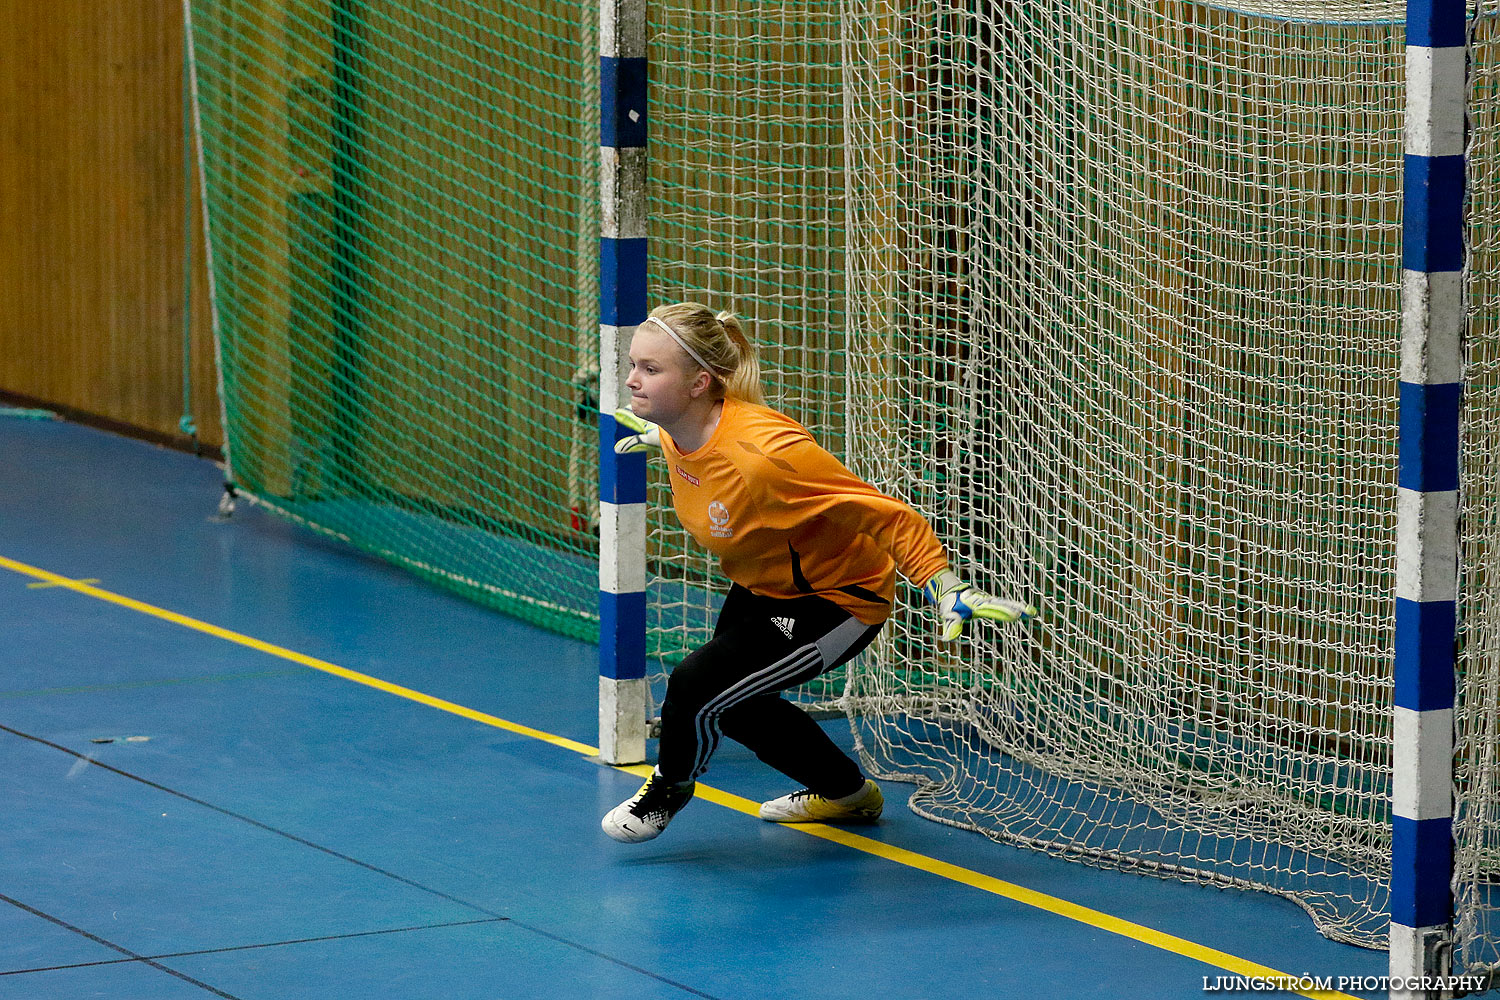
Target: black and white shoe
{"x": 646, "y": 814}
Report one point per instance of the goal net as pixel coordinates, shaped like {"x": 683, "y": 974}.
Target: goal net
{"x": 1110, "y": 291}
{"x": 1146, "y": 284}
{"x": 1476, "y": 832}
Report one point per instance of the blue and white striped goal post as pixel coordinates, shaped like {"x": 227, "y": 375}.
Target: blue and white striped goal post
{"x": 622, "y": 307}
{"x": 1432, "y": 329}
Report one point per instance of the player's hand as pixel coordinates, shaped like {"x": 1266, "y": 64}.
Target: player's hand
{"x": 957, "y": 603}
{"x": 647, "y": 435}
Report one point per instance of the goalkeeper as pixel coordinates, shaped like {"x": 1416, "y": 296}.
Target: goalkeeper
{"x": 811, "y": 550}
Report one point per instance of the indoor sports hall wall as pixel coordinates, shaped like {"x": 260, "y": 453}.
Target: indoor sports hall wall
{"x": 92, "y": 184}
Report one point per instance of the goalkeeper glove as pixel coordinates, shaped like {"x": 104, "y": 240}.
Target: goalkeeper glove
{"x": 957, "y": 602}
{"x": 647, "y": 434}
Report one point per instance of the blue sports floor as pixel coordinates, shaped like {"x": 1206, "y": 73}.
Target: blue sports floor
{"x": 248, "y": 762}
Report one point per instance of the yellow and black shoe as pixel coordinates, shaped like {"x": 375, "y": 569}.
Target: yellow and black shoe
{"x": 646, "y": 814}
{"x": 806, "y": 806}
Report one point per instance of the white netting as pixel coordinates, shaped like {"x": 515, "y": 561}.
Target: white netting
{"x": 1110, "y": 290}
{"x": 1477, "y": 817}
{"x": 1137, "y": 264}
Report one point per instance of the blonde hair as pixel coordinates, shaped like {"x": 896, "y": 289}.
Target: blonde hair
{"x": 718, "y": 343}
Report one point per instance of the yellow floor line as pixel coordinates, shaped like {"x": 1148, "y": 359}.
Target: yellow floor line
{"x": 1020, "y": 894}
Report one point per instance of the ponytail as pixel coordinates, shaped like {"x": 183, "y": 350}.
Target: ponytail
{"x": 744, "y": 383}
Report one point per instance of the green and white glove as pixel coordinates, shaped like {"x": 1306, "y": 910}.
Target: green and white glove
{"x": 957, "y": 603}
{"x": 647, "y": 435}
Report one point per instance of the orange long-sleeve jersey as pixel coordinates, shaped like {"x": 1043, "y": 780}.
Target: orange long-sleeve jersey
{"x": 786, "y": 518}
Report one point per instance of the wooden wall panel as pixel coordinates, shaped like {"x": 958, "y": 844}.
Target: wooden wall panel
{"x": 92, "y": 183}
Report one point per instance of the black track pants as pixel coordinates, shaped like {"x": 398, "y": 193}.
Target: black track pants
{"x": 762, "y": 646}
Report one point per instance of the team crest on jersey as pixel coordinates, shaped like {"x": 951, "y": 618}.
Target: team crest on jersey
{"x": 719, "y": 515}
{"x": 685, "y": 474}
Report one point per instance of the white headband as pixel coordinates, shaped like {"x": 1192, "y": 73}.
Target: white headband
{"x": 683, "y": 344}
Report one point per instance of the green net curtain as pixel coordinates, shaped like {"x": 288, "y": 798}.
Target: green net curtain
{"x": 402, "y": 203}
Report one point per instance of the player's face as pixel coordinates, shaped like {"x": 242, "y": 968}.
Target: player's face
{"x": 662, "y": 377}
